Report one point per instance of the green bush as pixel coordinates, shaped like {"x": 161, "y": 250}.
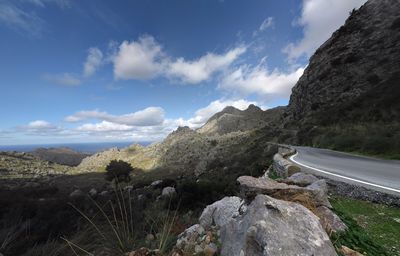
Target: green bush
{"x": 118, "y": 170}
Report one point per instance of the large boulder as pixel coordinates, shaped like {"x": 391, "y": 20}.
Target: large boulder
{"x": 275, "y": 227}
{"x": 222, "y": 211}
{"x": 311, "y": 198}
{"x": 301, "y": 179}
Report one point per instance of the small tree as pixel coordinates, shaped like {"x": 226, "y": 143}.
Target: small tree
{"x": 119, "y": 170}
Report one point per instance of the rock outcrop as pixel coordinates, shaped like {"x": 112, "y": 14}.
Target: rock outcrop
{"x": 356, "y": 69}
{"x": 270, "y": 218}
{"x": 347, "y": 98}
{"x": 266, "y": 226}
{"x": 275, "y": 227}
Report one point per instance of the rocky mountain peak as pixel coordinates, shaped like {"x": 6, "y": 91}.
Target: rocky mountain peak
{"x": 253, "y": 108}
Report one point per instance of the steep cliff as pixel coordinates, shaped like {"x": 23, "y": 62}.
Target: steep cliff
{"x": 355, "y": 74}
{"x": 348, "y": 96}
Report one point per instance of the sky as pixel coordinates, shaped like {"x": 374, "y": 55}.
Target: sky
{"x": 96, "y": 71}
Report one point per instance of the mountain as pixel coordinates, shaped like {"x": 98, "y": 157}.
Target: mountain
{"x": 62, "y": 155}
{"x": 231, "y": 119}
{"x": 348, "y": 96}
{"x": 232, "y": 141}
{"x": 347, "y": 99}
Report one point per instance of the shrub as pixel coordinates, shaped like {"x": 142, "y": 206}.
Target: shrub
{"x": 119, "y": 170}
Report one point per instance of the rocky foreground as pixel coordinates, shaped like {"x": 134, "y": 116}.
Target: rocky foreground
{"x": 292, "y": 217}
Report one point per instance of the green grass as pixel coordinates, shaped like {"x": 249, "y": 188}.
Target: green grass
{"x": 374, "y": 228}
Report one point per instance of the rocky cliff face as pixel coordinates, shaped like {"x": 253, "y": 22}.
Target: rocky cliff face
{"x": 354, "y": 76}
{"x": 348, "y": 96}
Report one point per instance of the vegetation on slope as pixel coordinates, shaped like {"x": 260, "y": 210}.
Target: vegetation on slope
{"x": 374, "y": 229}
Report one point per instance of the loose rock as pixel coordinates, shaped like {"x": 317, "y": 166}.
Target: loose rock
{"x": 349, "y": 252}
{"x": 168, "y": 192}
{"x": 220, "y": 212}
{"x": 93, "y": 192}
{"x": 77, "y": 193}
{"x": 301, "y": 179}
{"x": 275, "y": 227}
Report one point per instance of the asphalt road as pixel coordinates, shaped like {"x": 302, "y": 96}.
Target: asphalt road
{"x": 381, "y": 175}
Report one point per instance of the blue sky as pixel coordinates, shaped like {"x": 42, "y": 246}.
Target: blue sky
{"x": 85, "y": 71}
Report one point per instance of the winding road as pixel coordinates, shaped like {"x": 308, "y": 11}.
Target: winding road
{"x": 377, "y": 174}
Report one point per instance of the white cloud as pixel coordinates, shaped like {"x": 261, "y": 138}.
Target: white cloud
{"x": 20, "y": 20}
{"x": 104, "y": 126}
{"x": 65, "y": 79}
{"x": 267, "y": 23}
{"x": 203, "y": 114}
{"x": 147, "y": 117}
{"x": 42, "y": 3}
{"x": 247, "y": 80}
{"x": 138, "y": 59}
{"x": 84, "y": 115}
{"x": 39, "y": 124}
{"x": 93, "y": 61}
{"x": 200, "y": 70}
{"x": 319, "y": 19}
{"x": 40, "y": 127}
{"x": 112, "y": 131}
{"x": 144, "y": 59}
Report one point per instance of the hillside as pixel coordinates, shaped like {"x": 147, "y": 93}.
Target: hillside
{"x": 348, "y": 96}
{"x": 63, "y": 155}
{"x": 15, "y": 165}
{"x": 187, "y": 152}
{"x": 231, "y": 119}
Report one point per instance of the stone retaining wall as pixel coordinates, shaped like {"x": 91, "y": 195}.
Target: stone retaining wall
{"x": 281, "y": 166}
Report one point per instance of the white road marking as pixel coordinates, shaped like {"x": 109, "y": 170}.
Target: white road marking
{"x": 343, "y": 177}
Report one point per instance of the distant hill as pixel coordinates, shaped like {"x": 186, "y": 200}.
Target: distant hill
{"x": 62, "y": 155}
{"x": 231, "y": 119}
{"x": 19, "y": 165}
{"x": 200, "y": 152}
